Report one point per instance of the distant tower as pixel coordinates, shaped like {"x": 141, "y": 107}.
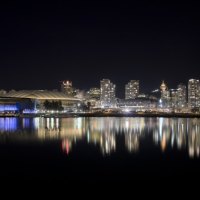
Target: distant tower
{"x": 193, "y": 93}
{"x": 132, "y": 89}
{"x": 66, "y": 87}
{"x": 174, "y": 98}
{"x": 107, "y": 97}
{"x": 163, "y": 86}
{"x": 181, "y": 96}
{"x": 165, "y": 94}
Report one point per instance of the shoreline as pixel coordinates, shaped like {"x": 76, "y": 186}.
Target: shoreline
{"x": 73, "y": 115}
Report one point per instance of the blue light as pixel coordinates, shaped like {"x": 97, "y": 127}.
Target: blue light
{"x": 28, "y": 111}
{"x": 8, "y": 108}
{"x": 26, "y": 123}
{"x": 8, "y": 124}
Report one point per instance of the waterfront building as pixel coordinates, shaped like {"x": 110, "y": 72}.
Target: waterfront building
{"x": 107, "y": 97}
{"x": 93, "y": 97}
{"x": 174, "y": 98}
{"x": 34, "y": 100}
{"x": 165, "y": 95}
{"x": 94, "y": 93}
{"x": 66, "y": 88}
{"x": 132, "y": 89}
{"x": 137, "y": 104}
{"x": 193, "y": 93}
{"x": 181, "y": 96}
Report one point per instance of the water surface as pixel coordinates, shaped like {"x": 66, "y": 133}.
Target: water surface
{"x": 104, "y": 148}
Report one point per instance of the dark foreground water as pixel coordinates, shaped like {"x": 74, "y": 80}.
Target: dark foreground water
{"x": 100, "y": 149}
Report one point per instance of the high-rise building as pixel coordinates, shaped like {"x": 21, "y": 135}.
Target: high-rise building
{"x": 132, "y": 89}
{"x": 163, "y": 86}
{"x": 193, "y": 93}
{"x": 181, "y": 96}
{"x": 107, "y": 98}
{"x": 66, "y": 87}
{"x": 165, "y": 95}
{"x": 93, "y": 97}
{"x": 94, "y": 93}
{"x": 174, "y": 98}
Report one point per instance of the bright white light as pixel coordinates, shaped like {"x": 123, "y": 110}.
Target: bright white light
{"x": 127, "y": 110}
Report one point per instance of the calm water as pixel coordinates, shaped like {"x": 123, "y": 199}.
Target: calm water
{"x": 100, "y": 148}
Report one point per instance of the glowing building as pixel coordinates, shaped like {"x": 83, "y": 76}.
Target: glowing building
{"x": 94, "y": 93}
{"x": 181, "y": 96}
{"x": 174, "y": 98}
{"x": 107, "y": 97}
{"x": 132, "y": 89}
{"x": 193, "y": 93}
{"x": 93, "y": 96}
{"x": 165, "y": 95}
{"x": 66, "y": 87}
{"x": 2, "y": 92}
{"x": 8, "y": 105}
{"x": 137, "y": 104}
{"x": 35, "y": 99}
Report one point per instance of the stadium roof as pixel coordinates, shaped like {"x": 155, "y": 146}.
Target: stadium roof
{"x": 40, "y": 94}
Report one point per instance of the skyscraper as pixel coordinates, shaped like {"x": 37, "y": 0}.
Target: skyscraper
{"x": 94, "y": 93}
{"x": 107, "y": 93}
{"x": 181, "y": 96}
{"x": 66, "y": 87}
{"x": 193, "y": 93}
{"x": 132, "y": 89}
{"x": 165, "y": 95}
{"x": 174, "y": 98}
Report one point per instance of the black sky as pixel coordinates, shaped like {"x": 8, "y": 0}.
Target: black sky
{"x": 85, "y": 41}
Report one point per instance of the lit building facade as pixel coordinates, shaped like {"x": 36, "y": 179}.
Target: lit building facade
{"x": 193, "y": 93}
{"x": 94, "y": 93}
{"x": 132, "y": 89}
{"x": 137, "y": 104}
{"x": 108, "y": 89}
{"x": 93, "y": 97}
{"x": 174, "y": 98}
{"x": 181, "y": 96}
{"x": 165, "y": 95}
{"x": 30, "y": 101}
{"x": 2, "y": 92}
{"x": 66, "y": 87}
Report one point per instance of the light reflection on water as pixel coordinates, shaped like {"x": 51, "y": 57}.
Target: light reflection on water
{"x": 180, "y": 133}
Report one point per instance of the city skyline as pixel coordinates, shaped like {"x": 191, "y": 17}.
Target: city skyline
{"x": 95, "y": 91}
{"x": 182, "y": 99}
{"x": 67, "y": 86}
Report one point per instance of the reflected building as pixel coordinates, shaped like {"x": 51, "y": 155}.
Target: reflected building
{"x": 8, "y": 124}
{"x": 132, "y": 142}
{"x": 108, "y": 143}
{"x": 194, "y": 138}
{"x": 176, "y": 133}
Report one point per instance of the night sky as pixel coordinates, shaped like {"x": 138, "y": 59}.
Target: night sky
{"x": 85, "y": 41}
